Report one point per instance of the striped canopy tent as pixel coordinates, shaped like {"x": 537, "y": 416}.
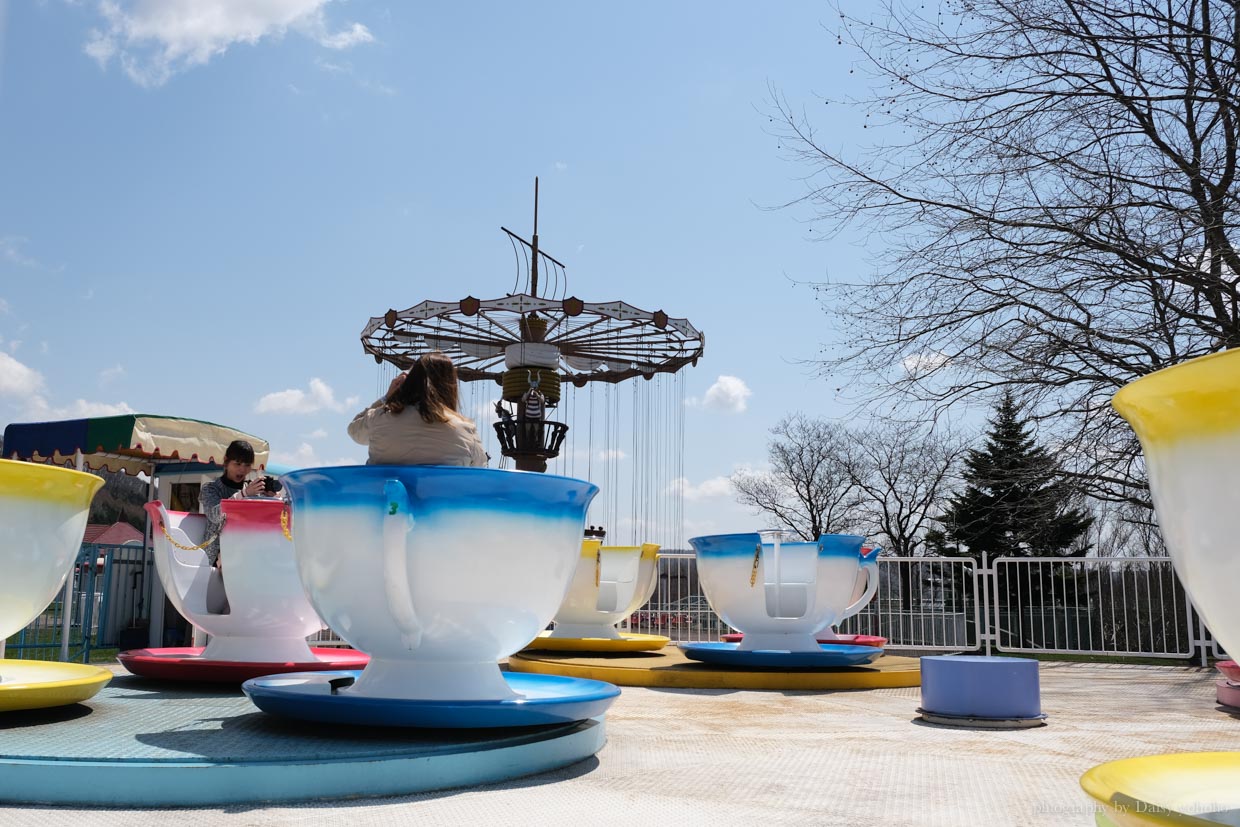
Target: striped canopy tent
{"x": 133, "y": 443}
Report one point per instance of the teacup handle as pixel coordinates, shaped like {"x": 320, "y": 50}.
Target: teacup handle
{"x": 869, "y": 563}
{"x": 397, "y": 522}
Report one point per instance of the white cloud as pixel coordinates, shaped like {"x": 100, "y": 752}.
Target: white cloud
{"x": 319, "y": 397}
{"x": 77, "y": 409}
{"x": 708, "y": 489}
{"x": 560, "y": 166}
{"x": 729, "y": 394}
{"x": 111, "y": 374}
{"x": 306, "y": 457}
{"x": 4, "y": 307}
{"x": 14, "y": 345}
{"x": 341, "y": 67}
{"x": 919, "y": 364}
{"x": 609, "y": 454}
{"x": 317, "y": 433}
{"x": 26, "y": 387}
{"x": 17, "y": 380}
{"x": 11, "y": 251}
{"x": 154, "y": 39}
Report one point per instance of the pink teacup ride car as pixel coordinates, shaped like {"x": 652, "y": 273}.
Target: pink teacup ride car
{"x": 608, "y": 585}
{"x": 437, "y": 572}
{"x": 268, "y": 616}
{"x": 43, "y": 512}
{"x": 782, "y": 595}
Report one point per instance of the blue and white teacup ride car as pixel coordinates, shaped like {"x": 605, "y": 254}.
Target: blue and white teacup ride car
{"x": 437, "y": 573}
{"x": 782, "y": 594}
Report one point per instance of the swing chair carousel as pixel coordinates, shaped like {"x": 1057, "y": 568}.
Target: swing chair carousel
{"x": 542, "y": 346}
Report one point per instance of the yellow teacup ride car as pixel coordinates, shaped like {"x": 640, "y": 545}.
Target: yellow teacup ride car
{"x": 43, "y": 511}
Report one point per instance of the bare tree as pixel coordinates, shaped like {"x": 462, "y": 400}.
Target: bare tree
{"x": 1056, "y": 184}
{"x": 809, "y": 489}
{"x": 902, "y": 471}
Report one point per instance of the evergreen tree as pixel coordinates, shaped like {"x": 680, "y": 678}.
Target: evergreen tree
{"x": 1016, "y": 501}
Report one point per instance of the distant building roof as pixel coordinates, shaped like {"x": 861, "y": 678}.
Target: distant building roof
{"x": 110, "y": 535}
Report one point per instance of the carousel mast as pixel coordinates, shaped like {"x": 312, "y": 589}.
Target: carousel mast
{"x": 531, "y": 344}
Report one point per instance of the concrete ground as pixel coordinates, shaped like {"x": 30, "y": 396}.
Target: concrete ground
{"x": 717, "y": 757}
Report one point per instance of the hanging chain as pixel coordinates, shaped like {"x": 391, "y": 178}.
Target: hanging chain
{"x": 753, "y": 573}
{"x": 288, "y": 535}
{"x": 199, "y": 547}
{"x": 598, "y": 565}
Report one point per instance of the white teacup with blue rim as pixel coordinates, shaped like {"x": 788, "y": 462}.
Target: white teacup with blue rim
{"x": 782, "y": 593}
{"x": 436, "y": 572}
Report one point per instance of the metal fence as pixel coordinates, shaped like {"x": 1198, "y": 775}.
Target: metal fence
{"x": 106, "y": 592}
{"x": 1102, "y": 606}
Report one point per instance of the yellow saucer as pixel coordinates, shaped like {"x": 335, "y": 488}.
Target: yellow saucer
{"x": 1186, "y": 788}
{"x": 36, "y": 684}
{"x": 671, "y": 669}
{"x": 628, "y": 642}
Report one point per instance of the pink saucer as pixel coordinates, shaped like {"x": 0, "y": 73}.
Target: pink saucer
{"x": 1228, "y": 694}
{"x": 842, "y": 640}
{"x": 185, "y": 663}
{"x": 1230, "y": 670}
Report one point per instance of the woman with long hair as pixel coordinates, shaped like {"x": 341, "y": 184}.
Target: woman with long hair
{"x": 417, "y": 421}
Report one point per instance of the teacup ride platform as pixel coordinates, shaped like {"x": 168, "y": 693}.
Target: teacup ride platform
{"x": 43, "y": 512}
{"x": 608, "y": 585}
{"x": 1177, "y": 790}
{"x": 672, "y": 669}
{"x": 268, "y": 617}
{"x": 449, "y": 571}
{"x": 145, "y": 744}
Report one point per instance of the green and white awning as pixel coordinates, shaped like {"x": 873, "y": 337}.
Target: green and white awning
{"x": 132, "y": 443}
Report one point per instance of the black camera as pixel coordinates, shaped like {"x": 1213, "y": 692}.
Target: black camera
{"x": 272, "y": 484}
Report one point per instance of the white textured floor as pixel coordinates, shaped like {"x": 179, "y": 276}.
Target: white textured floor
{"x": 713, "y": 757}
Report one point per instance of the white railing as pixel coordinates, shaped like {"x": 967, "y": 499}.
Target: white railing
{"x": 1104, "y": 606}
{"x": 1120, "y": 606}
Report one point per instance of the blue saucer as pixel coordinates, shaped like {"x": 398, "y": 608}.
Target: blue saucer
{"x": 831, "y": 655}
{"x": 543, "y": 700}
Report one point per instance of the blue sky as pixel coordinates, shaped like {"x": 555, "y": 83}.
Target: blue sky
{"x": 206, "y": 200}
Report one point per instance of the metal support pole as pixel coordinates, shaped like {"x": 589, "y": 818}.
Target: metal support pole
{"x": 66, "y": 598}
{"x": 155, "y": 633}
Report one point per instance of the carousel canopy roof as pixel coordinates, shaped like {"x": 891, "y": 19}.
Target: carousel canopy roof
{"x": 604, "y": 341}
{"x": 131, "y": 443}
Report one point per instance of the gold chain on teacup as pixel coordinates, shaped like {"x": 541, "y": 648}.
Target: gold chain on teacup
{"x": 284, "y": 525}
{"x": 753, "y": 573}
{"x": 598, "y": 565}
{"x": 199, "y": 547}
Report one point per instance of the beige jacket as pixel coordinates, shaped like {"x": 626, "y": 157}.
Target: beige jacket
{"x": 407, "y": 439}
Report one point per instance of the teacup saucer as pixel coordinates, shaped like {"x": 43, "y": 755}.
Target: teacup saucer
{"x": 841, "y": 640}
{"x": 627, "y": 642}
{"x": 38, "y": 684}
{"x": 541, "y": 700}
{"x": 186, "y": 663}
{"x": 831, "y": 655}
